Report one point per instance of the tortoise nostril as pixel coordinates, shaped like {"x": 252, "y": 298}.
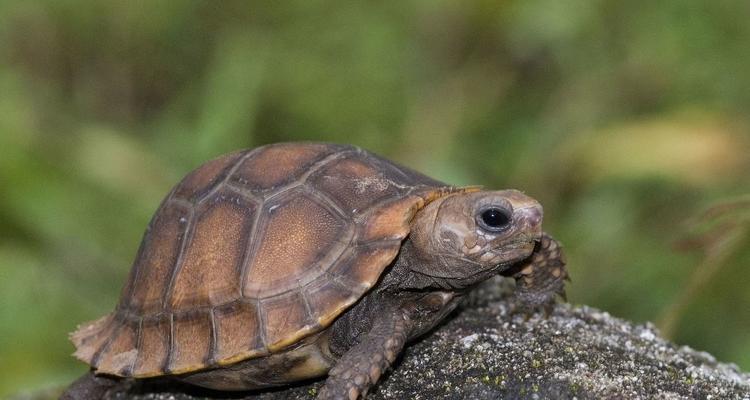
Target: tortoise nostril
{"x": 533, "y": 216}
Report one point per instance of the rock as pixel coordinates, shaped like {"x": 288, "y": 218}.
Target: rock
{"x": 483, "y": 352}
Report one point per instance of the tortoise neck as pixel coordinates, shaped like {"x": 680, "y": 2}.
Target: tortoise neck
{"x": 414, "y": 271}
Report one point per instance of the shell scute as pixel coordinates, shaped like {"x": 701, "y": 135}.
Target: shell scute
{"x": 90, "y": 337}
{"x": 283, "y": 317}
{"x": 279, "y": 165}
{"x": 355, "y": 184}
{"x": 203, "y": 179}
{"x": 191, "y": 341}
{"x": 210, "y": 269}
{"x": 363, "y": 266}
{"x": 297, "y": 232}
{"x": 390, "y": 222}
{"x": 237, "y": 331}
{"x": 400, "y": 174}
{"x": 326, "y": 298}
{"x": 155, "y": 345}
{"x": 158, "y": 255}
{"x": 120, "y": 353}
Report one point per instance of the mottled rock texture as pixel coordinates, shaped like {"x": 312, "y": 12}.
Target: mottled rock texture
{"x": 484, "y": 352}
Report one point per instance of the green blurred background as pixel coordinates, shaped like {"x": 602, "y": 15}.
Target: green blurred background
{"x": 626, "y": 120}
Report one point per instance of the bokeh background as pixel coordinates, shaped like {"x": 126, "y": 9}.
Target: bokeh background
{"x": 628, "y": 120}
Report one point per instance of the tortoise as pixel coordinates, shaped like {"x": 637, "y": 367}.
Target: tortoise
{"x": 291, "y": 261}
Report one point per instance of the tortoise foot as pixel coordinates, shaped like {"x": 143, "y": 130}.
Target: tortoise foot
{"x": 541, "y": 279}
{"x": 361, "y": 367}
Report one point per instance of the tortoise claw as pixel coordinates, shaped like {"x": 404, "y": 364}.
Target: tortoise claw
{"x": 542, "y": 278}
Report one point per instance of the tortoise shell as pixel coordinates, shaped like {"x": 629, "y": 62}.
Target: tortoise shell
{"x": 252, "y": 252}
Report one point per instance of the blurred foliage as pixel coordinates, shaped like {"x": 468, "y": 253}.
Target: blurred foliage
{"x": 624, "y": 118}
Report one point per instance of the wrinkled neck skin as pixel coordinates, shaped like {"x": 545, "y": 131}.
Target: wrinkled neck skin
{"x": 411, "y": 285}
{"x": 402, "y": 289}
{"x": 415, "y": 271}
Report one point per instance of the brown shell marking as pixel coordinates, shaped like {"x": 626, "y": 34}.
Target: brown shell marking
{"x": 252, "y": 252}
{"x": 120, "y": 354}
{"x": 237, "y": 329}
{"x": 210, "y": 268}
{"x": 155, "y": 341}
{"x": 296, "y": 234}
{"x": 159, "y": 250}
{"x": 192, "y": 341}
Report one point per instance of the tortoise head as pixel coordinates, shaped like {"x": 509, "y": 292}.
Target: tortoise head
{"x": 473, "y": 235}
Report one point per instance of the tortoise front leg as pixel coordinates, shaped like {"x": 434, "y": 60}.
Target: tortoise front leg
{"x": 361, "y": 366}
{"x": 541, "y": 277}
{"x": 88, "y": 387}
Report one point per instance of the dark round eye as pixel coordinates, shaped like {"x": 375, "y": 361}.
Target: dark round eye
{"x": 494, "y": 219}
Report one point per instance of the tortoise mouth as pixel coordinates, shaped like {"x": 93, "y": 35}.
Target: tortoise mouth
{"x": 518, "y": 251}
{"x": 508, "y": 255}
{"x": 526, "y": 241}
{"x": 529, "y": 250}
{"x": 524, "y": 251}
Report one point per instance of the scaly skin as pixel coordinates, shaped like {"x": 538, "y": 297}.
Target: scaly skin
{"x": 362, "y": 366}
{"x": 540, "y": 278}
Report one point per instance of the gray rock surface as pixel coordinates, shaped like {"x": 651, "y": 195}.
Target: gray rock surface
{"x": 484, "y": 352}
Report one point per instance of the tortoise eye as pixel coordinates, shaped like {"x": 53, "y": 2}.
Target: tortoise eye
{"x": 494, "y": 219}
